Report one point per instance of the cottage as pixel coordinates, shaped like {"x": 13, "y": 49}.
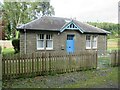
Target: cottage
{"x": 60, "y": 34}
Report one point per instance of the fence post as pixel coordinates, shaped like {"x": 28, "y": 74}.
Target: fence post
{"x": 42, "y": 64}
{"x": 113, "y": 58}
{"x": 0, "y": 65}
{"x": 19, "y": 64}
{"x": 118, "y": 55}
{"x": 96, "y": 58}
{"x": 32, "y": 64}
{"x": 49, "y": 63}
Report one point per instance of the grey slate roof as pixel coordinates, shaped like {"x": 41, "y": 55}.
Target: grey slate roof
{"x": 56, "y": 23}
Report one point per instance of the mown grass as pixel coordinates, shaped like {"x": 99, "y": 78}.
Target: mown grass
{"x": 96, "y": 80}
{"x": 112, "y": 44}
{"x": 84, "y": 79}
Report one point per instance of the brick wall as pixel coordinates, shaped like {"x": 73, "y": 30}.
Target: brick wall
{"x": 59, "y": 40}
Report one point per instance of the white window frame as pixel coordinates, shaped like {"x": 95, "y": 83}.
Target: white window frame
{"x": 89, "y": 42}
{"x": 38, "y": 39}
{"x": 94, "y": 41}
{"x": 50, "y": 39}
{"x": 44, "y": 41}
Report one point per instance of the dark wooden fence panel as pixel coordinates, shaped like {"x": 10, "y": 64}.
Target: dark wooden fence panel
{"x": 27, "y": 65}
{"x": 115, "y": 58}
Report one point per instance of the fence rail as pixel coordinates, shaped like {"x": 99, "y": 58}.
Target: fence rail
{"x": 27, "y": 65}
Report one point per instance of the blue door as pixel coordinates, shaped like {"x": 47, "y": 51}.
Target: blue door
{"x": 70, "y": 43}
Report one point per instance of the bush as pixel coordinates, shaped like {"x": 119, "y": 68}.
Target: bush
{"x": 16, "y": 45}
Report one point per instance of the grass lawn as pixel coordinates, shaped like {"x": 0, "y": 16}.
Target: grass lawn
{"x": 96, "y": 80}
{"x": 112, "y": 44}
{"x": 100, "y": 78}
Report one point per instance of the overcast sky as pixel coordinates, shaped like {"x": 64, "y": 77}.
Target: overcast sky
{"x": 87, "y": 10}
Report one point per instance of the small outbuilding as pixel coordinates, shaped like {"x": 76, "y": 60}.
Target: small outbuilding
{"x": 61, "y": 34}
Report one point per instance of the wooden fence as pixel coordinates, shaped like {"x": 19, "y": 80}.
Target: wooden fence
{"x": 115, "y": 58}
{"x": 27, "y": 65}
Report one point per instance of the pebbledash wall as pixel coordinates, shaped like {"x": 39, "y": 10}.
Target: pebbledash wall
{"x": 59, "y": 41}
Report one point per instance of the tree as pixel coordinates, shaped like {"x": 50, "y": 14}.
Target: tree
{"x": 39, "y": 9}
{"x": 111, "y": 27}
{"x": 16, "y": 13}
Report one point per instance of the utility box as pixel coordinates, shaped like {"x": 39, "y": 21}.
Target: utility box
{"x": 62, "y": 47}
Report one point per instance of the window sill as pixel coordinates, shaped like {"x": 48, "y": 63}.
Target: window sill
{"x": 45, "y": 49}
{"x": 88, "y": 48}
{"x": 94, "y": 48}
{"x": 49, "y": 49}
{"x": 40, "y": 49}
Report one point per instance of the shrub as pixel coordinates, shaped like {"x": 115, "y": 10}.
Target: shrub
{"x": 16, "y": 45}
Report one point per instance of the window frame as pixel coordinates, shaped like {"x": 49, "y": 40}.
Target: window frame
{"x": 94, "y": 47}
{"x": 44, "y": 41}
{"x": 51, "y": 39}
{"x": 89, "y": 42}
{"x": 40, "y": 40}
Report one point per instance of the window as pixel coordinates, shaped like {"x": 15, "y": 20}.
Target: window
{"x": 90, "y": 38}
{"x": 70, "y": 37}
{"x": 44, "y": 42}
{"x": 49, "y": 42}
{"x": 94, "y": 41}
{"x": 40, "y": 41}
{"x": 88, "y": 42}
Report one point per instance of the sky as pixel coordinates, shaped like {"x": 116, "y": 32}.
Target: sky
{"x": 87, "y": 10}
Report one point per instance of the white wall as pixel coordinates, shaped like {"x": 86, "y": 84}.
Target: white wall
{"x": 6, "y": 43}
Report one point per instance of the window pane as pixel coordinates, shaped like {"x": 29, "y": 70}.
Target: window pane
{"x": 49, "y": 43}
{"x": 87, "y": 37}
{"x": 48, "y": 37}
{"x": 40, "y": 36}
{"x": 88, "y": 42}
{"x": 40, "y": 43}
{"x": 95, "y": 41}
{"x": 70, "y": 37}
{"x": 94, "y": 44}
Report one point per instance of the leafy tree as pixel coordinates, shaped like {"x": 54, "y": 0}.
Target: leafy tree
{"x": 39, "y": 9}
{"x": 111, "y": 27}
{"x": 16, "y": 13}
